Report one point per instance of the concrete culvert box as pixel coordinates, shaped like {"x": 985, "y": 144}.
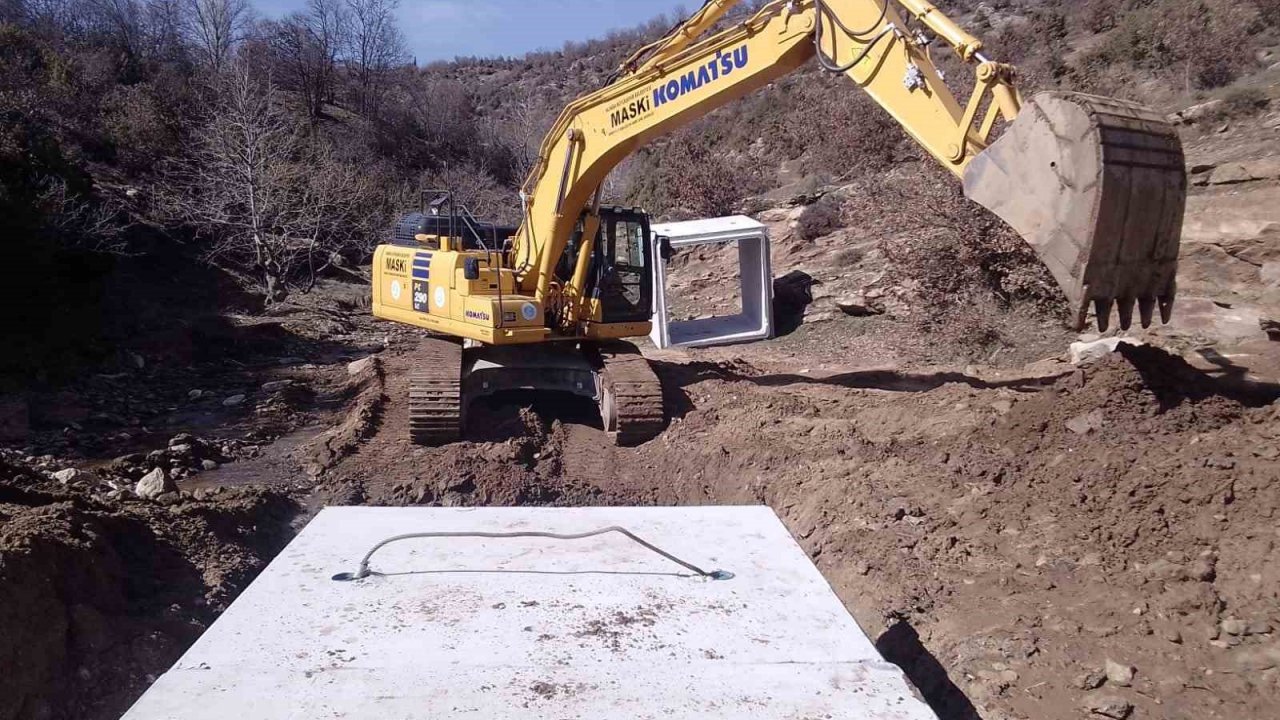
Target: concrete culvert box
{"x": 599, "y": 625}
{"x": 755, "y": 319}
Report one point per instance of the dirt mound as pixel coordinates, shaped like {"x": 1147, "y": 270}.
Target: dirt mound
{"x": 95, "y": 597}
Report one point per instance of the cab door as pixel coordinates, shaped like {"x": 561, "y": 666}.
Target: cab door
{"x": 624, "y": 267}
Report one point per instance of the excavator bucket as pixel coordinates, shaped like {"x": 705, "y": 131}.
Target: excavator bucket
{"x": 1098, "y": 188}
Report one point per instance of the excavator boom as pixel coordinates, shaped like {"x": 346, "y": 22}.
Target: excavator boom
{"x": 1096, "y": 186}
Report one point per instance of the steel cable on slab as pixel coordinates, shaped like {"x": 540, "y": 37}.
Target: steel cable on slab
{"x": 363, "y": 571}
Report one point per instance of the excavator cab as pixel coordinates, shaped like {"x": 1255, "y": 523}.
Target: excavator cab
{"x": 622, "y": 273}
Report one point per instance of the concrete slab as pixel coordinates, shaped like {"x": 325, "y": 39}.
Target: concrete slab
{"x": 535, "y": 628}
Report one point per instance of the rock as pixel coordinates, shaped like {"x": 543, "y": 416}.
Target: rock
{"x": 181, "y": 439}
{"x": 66, "y": 476}
{"x": 1084, "y": 424}
{"x": 1092, "y": 351}
{"x": 233, "y": 401}
{"x": 1109, "y": 706}
{"x": 1257, "y": 658}
{"x": 1270, "y": 327}
{"x": 859, "y": 306}
{"x": 1196, "y": 113}
{"x": 1258, "y": 627}
{"x": 1173, "y": 635}
{"x": 1233, "y": 626}
{"x": 139, "y": 362}
{"x": 182, "y": 450}
{"x": 1267, "y": 168}
{"x": 1119, "y": 673}
{"x": 276, "y": 385}
{"x": 1203, "y": 569}
{"x": 208, "y": 465}
{"x": 154, "y": 484}
{"x": 1091, "y": 680}
{"x": 359, "y": 366}
{"x": 194, "y": 394}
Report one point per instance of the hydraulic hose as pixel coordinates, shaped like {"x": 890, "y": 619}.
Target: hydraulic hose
{"x": 364, "y": 570}
{"x": 821, "y": 11}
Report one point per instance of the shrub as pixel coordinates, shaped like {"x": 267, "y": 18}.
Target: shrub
{"x": 820, "y": 218}
{"x": 945, "y": 249}
{"x": 1200, "y": 43}
{"x": 1242, "y": 102}
{"x": 848, "y": 256}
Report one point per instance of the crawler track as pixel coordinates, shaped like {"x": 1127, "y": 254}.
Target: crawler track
{"x": 435, "y": 394}
{"x": 632, "y": 407}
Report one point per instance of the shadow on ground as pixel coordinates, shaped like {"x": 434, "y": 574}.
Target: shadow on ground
{"x": 901, "y": 645}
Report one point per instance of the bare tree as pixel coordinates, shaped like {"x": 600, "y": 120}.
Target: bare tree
{"x": 377, "y": 46}
{"x": 306, "y": 46}
{"x": 263, "y": 198}
{"x": 213, "y": 27}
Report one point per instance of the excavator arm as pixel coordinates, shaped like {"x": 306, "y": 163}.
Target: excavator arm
{"x": 1095, "y": 185}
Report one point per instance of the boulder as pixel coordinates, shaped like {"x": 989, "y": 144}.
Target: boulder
{"x": 859, "y": 306}
{"x": 1091, "y": 421}
{"x": 1267, "y": 168}
{"x": 66, "y": 476}
{"x": 1119, "y": 673}
{"x": 359, "y": 366}
{"x": 1196, "y": 113}
{"x": 276, "y": 385}
{"x": 1108, "y": 706}
{"x": 1092, "y": 351}
{"x": 154, "y": 484}
{"x": 233, "y": 401}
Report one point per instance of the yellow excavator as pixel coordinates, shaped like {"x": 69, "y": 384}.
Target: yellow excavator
{"x": 1097, "y": 187}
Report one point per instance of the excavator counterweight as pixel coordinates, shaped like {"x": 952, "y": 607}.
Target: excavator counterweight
{"x": 1097, "y": 187}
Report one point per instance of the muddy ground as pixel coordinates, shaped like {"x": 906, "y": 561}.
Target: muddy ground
{"x": 1042, "y": 541}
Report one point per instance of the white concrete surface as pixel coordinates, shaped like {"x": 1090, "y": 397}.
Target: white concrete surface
{"x": 535, "y": 628}
{"x": 755, "y": 278}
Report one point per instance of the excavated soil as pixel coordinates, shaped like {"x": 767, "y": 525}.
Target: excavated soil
{"x": 1007, "y": 538}
{"x": 97, "y": 599}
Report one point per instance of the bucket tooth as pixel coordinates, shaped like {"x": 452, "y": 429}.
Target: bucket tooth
{"x": 1166, "y": 308}
{"x": 1102, "y": 314}
{"x": 1146, "y": 310}
{"x": 1125, "y": 307}
{"x": 1097, "y": 187}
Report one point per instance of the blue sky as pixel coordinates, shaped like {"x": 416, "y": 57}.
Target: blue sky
{"x": 444, "y": 29}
